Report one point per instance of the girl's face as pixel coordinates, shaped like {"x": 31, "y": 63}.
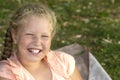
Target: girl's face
{"x": 33, "y": 38}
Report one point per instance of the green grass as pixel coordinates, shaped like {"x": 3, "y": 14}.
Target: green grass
{"x": 91, "y": 23}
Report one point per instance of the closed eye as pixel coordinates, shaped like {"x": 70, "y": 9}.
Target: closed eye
{"x": 45, "y": 36}
{"x": 28, "y": 34}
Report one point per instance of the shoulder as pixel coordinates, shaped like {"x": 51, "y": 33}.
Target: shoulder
{"x": 4, "y": 65}
{"x": 5, "y": 69}
{"x": 67, "y": 59}
{"x": 63, "y": 55}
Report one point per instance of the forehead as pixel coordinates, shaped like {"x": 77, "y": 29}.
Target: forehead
{"x": 36, "y": 23}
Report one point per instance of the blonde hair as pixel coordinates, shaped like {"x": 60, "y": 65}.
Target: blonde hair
{"x": 34, "y": 9}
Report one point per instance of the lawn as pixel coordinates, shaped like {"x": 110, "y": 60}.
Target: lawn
{"x": 94, "y": 24}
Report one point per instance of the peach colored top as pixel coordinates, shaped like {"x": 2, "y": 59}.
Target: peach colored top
{"x": 61, "y": 65}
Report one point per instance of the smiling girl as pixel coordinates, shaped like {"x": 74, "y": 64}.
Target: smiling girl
{"x": 27, "y": 54}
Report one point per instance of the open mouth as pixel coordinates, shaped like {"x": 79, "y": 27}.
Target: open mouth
{"x": 34, "y": 51}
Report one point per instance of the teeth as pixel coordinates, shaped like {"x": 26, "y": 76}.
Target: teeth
{"x": 34, "y": 51}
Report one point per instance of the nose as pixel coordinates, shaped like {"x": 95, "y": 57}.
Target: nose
{"x": 37, "y": 41}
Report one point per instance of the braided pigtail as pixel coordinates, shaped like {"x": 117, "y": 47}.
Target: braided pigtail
{"x": 8, "y": 45}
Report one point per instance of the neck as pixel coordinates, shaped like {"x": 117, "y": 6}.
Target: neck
{"x": 31, "y": 64}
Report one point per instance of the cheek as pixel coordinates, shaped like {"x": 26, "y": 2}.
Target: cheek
{"x": 47, "y": 43}
{"x": 23, "y": 42}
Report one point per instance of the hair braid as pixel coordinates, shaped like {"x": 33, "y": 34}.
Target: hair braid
{"x": 8, "y": 45}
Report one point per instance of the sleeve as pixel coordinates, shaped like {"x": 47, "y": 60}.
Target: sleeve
{"x": 5, "y": 71}
{"x": 69, "y": 62}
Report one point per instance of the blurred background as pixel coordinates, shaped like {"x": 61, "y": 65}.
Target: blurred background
{"x": 94, "y": 24}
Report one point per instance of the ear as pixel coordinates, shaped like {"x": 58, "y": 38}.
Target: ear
{"x": 13, "y": 33}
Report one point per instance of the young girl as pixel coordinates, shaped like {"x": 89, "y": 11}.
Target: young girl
{"x": 27, "y": 54}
